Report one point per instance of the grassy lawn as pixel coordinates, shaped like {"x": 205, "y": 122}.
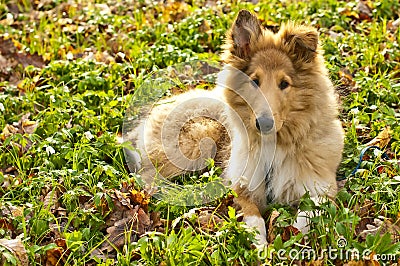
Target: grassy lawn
{"x": 68, "y": 73}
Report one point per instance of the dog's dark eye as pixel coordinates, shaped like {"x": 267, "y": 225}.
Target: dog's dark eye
{"x": 283, "y": 85}
{"x": 256, "y": 82}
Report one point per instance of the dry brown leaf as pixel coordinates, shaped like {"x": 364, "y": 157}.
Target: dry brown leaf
{"x": 364, "y": 11}
{"x": 18, "y": 211}
{"x": 126, "y": 220}
{"x": 24, "y": 125}
{"x": 350, "y": 13}
{"x": 140, "y": 197}
{"x": 347, "y": 82}
{"x": 30, "y": 60}
{"x": 103, "y": 254}
{"x": 208, "y": 220}
{"x": 392, "y": 26}
{"x": 271, "y": 235}
{"x": 54, "y": 256}
{"x": 143, "y": 221}
{"x": 383, "y": 138}
{"x": 7, "y": 48}
{"x": 51, "y": 201}
{"x": 11, "y": 58}
{"x": 12, "y": 211}
{"x": 117, "y": 235}
{"x": 371, "y": 260}
{"x": 362, "y": 225}
{"x": 345, "y": 74}
{"x": 29, "y": 126}
{"x": 3, "y": 61}
{"x": 366, "y": 208}
{"x": 289, "y": 231}
{"x": 17, "y": 248}
{"x": 361, "y": 12}
{"x": 8, "y": 131}
{"x": 113, "y": 217}
{"x": 123, "y": 198}
{"x": 174, "y": 11}
{"x": 156, "y": 223}
{"x": 60, "y": 212}
{"x": 122, "y": 205}
{"x": 207, "y": 69}
{"x": 381, "y": 226}
{"x": 5, "y": 224}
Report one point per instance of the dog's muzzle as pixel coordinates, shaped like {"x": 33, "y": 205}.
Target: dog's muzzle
{"x": 264, "y": 123}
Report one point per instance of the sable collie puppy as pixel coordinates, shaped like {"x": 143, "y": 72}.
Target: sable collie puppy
{"x": 271, "y": 121}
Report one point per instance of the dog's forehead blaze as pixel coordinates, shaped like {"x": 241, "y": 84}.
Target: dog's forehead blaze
{"x": 270, "y": 60}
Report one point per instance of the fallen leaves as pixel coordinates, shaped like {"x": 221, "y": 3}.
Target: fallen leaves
{"x": 174, "y": 10}
{"x": 128, "y": 220}
{"x": 347, "y": 82}
{"x": 13, "y": 61}
{"x": 20, "y": 145}
{"x": 392, "y": 26}
{"x": 381, "y": 226}
{"x": 271, "y": 234}
{"x": 371, "y": 225}
{"x": 140, "y": 197}
{"x": 206, "y": 219}
{"x": 6, "y": 224}
{"x": 346, "y": 77}
{"x": 382, "y": 139}
{"x": 285, "y": 232}
{"x": 24, "y": 127}
{"x": 58, "y": 254}
{"x": 93, "y": 32}
{"x": 50, "y": 200}
{"x": 16, "y": 248}
{"x": 362, "y": 11}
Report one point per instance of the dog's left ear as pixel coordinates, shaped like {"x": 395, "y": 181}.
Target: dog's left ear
{"x": 301, "y": 42}
{"x": 244, "y": 32}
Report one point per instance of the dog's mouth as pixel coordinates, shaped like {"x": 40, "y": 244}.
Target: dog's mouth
{"x": 265, "y": 124}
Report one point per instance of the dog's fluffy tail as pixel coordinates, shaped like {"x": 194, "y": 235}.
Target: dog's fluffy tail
{"x": 133, "y": 159}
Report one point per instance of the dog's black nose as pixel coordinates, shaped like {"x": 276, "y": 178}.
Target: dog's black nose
{"x": 264, "y": 123}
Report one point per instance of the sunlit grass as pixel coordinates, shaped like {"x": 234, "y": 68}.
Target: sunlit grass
{"x": 97, "y": 55}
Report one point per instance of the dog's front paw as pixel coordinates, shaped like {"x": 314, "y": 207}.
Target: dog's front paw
{"x": 302, "y": 222}
{"x": 259, "y": 223}
{"x": 303, "y": 217}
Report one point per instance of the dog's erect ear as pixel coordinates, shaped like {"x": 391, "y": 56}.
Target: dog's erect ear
{"x": 245, "y": 30}
{"x": 300, "y": 41}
